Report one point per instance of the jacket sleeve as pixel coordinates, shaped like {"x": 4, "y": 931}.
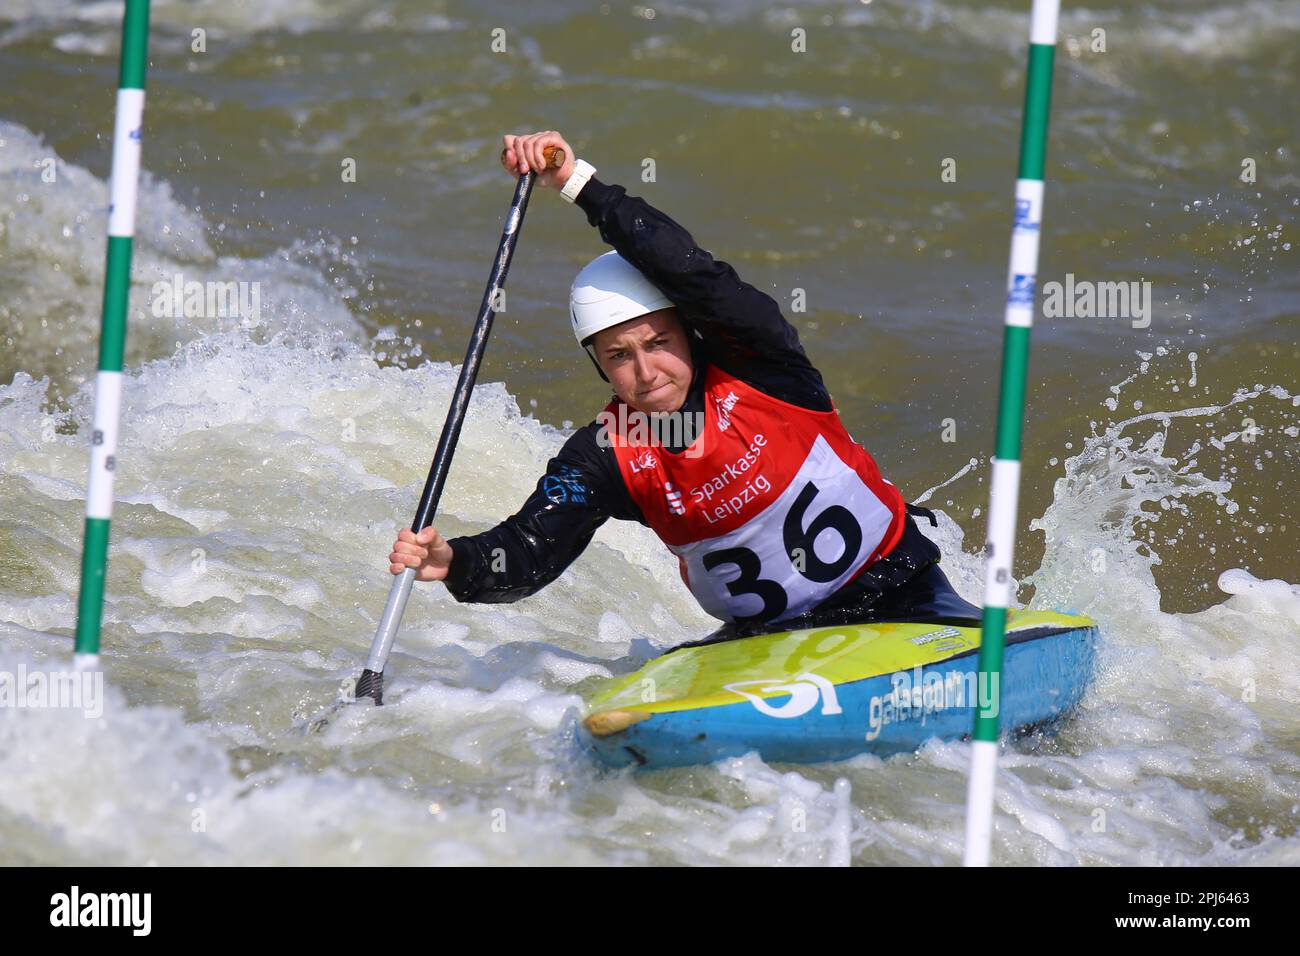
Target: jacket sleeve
{"x": 742, "y": 326}
{"x": 531, "y": 548}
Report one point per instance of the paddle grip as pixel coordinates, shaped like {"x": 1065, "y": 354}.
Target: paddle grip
{"x": 554, "y": 156}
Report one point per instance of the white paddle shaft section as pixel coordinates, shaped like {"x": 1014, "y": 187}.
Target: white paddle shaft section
{"x": 979, "y": 802}
{"x": 386, "y": 633}
{"x": 128, "y": 130}
{"x": 1003, "y": 500}
{"x": 103, "y": 444}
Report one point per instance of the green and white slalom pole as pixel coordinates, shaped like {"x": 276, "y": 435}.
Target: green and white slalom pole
{"x": 1022, "y": 280}
{"x": 123, "y": 186}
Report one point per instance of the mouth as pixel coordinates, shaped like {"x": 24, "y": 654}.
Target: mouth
{"x": 654, "y": 391}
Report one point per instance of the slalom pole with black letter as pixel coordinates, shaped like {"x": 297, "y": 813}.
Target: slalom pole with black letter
{"x": 123, "y": 185}
{"x": 371, "y": 682}
{"x": 1022, "y": 280}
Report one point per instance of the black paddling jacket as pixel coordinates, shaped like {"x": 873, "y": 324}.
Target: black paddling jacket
{"x": 730, "y": 324}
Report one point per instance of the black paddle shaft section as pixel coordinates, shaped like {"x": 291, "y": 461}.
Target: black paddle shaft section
{"x": 473, "y": 357}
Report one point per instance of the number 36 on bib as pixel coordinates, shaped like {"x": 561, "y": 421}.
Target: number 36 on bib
{"x": 819, "y": 532}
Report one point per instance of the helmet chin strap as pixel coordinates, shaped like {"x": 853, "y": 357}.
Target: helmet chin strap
{"x": 591, "y": 354}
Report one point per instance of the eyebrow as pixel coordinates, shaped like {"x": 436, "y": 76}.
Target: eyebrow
{"x": 619, "y": 348}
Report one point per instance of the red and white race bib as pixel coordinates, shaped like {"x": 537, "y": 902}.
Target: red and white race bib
{"x": 770, "y": 511}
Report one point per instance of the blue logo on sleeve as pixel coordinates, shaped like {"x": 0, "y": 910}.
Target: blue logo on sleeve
{"x": 565, "y": 485}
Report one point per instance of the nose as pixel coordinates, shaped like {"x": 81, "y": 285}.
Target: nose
{"x": 644, "y": 371}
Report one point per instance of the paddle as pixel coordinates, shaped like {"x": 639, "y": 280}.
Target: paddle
{"x": 371, "y": 682}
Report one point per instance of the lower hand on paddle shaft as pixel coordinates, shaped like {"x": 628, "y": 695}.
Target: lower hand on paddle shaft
{"x": 428, "y": 552}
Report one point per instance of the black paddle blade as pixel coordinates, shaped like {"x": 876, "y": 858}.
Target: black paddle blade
{"x": 370, "y": 684}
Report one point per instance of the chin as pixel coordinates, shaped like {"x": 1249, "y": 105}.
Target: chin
{"x": 658, "y": 405}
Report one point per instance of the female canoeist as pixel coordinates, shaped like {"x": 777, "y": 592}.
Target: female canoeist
{"x": 721, "y": 437}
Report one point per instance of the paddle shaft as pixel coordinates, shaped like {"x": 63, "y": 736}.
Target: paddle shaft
{"x": 371, "y": 682}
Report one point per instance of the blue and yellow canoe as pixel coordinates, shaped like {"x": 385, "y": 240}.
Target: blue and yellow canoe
{"x": 832, "y": 693}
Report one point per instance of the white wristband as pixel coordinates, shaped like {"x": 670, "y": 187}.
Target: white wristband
{"x": 582, "y": 171}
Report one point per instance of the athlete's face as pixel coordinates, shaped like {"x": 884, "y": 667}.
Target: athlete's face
{"x": 647, "y": 360}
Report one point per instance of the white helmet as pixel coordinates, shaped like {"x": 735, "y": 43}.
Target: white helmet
{"x": 610, "y": 290}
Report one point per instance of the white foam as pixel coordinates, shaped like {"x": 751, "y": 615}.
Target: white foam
{"x": 55, "y": 246}
{"x": 240, "y": 449}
